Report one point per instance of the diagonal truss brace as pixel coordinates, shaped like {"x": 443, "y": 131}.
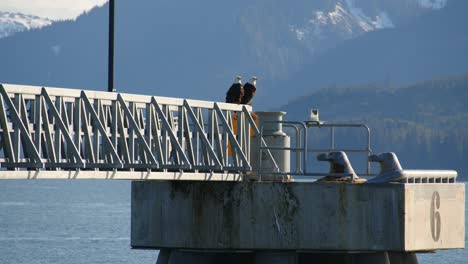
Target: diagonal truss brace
{"x": 101, "y": 129}
{"x": 168, "y": 128}
{"x": 7, "y": 142}
{"x": 61, "y": 125}
{"x": 201, "y": 131}
{"x": 30, "y": 148}
{"x": 136, "y": 128}
{"x": 232, "y": 137}
{"x": 257, "y": 133}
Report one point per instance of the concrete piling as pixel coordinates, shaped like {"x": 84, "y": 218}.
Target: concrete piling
{"x": 283, "y": 257}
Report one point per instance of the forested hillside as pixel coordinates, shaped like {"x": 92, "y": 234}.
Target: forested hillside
{"x": 426, "y": 123}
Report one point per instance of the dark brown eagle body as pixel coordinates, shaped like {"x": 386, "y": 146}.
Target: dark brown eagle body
{"x": 235, "y": 93}
{"x": 249, "y": 92}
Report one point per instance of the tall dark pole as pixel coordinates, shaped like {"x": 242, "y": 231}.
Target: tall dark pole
{"x": 111, "y": 47}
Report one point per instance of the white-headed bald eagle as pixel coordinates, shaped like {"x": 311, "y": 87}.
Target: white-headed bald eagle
{"x": 249, "y": 91}
{"x": 236, "y": 91}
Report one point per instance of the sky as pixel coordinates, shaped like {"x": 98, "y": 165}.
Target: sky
{"x": 52, "y": 9}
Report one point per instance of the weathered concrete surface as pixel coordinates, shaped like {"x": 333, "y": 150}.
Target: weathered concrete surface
{"x": 294, "y": 216}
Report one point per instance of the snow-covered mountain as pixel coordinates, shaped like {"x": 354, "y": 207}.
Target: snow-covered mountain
{"x": 203, "y": 44}
{"x": 344, "y": 21}
{"x": 334, "y": 21}
{"x": 11, "y": 23}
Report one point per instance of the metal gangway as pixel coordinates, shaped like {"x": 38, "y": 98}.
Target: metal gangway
{"x": 53, "y": 133}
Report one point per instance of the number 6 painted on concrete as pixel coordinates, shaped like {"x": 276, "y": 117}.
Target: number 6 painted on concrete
{"x": 435, "y": 216}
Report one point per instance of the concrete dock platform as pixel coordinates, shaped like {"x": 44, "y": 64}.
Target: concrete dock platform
{"x": 297, "y": 216}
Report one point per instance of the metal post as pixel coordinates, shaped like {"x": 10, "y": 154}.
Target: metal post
{"x": 298, "y": 152}
{"x": 111, "y": 47}
{"x": 332, "y": 138}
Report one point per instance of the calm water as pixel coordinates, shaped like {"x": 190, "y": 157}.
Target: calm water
{"x": 85, "y": 222}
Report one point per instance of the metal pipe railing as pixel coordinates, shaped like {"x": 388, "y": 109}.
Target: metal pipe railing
{"x": 301, "y": 169}
{"x": 368, "y": 149}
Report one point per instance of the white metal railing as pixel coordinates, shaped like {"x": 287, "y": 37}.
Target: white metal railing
{"x": 391, "y": 170}
{"x": 302, "y": 148}
{"x": 66, "y": 129}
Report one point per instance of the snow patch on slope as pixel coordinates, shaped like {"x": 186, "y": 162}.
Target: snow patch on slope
{"x": 11, "y": 23}
{"x": 363, "y": 20}
{"x": 345, "y": 20}
{"x": 435, "y": 4}
{"x": 367, "y": 23}
{"x": 382, "y": 21}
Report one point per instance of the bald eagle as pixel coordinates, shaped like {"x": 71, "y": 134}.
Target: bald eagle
{"x": 236, "y": 92}
{"x": 249, "y": 91}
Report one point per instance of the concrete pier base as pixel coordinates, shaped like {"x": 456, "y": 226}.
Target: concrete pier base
{"x": 345, "y": 258}
{"x": 403, "y": 258}
{"x": 283, "y": 257}
{"x": 275, "y": 257}
{"x": 164, "y": 256}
